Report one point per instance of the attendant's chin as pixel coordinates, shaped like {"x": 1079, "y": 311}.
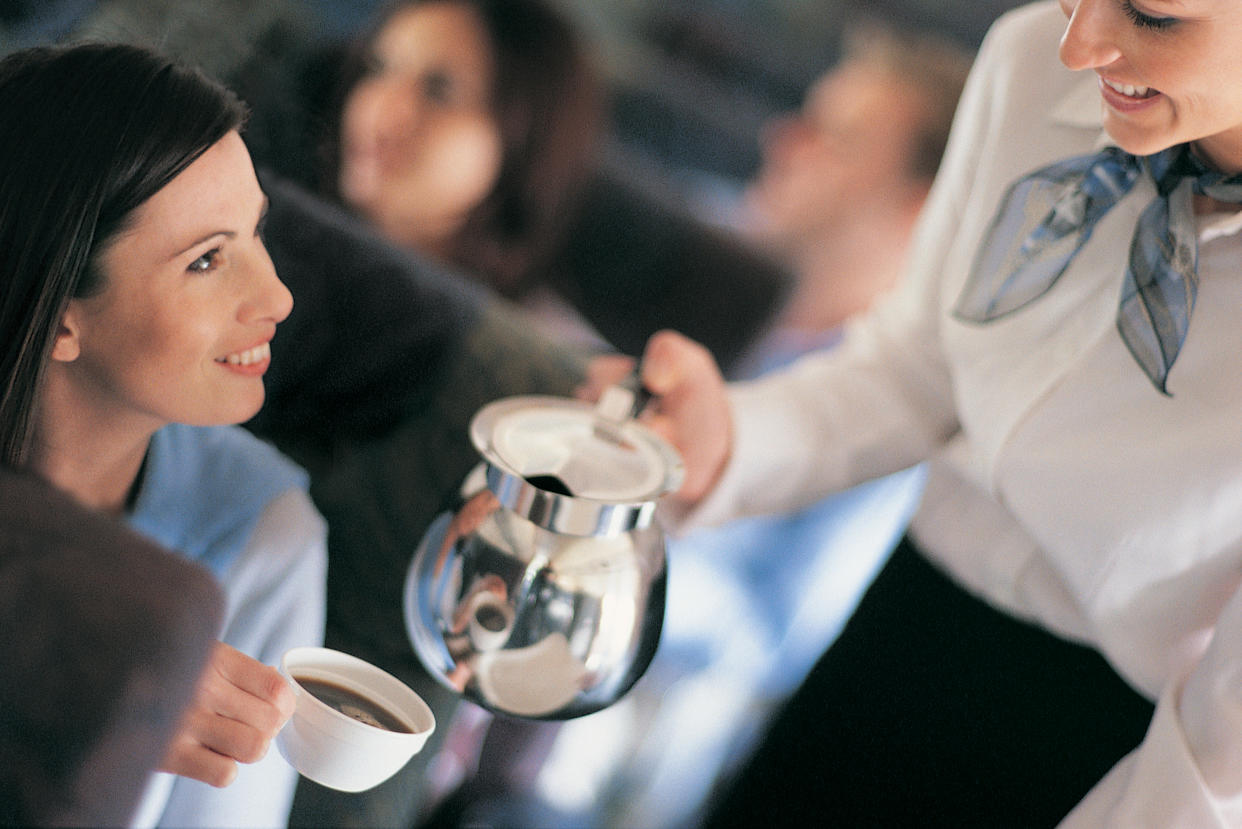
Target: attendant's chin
{"x": 1136, "y": 142}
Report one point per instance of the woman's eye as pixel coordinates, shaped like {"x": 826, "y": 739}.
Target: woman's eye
{"x": 438, "y": 86}
{"x": 1146, "y": 21}
{"x": 207, "y": 262}
{"x": 372, "y": 65}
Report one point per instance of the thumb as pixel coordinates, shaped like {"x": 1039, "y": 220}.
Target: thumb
{"x": 667, "y": 361}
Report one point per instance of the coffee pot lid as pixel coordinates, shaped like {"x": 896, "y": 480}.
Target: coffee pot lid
{"x": 572, "y": 466}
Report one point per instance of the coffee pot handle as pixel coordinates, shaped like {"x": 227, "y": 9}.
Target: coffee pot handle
{"x": 625, "y": 400}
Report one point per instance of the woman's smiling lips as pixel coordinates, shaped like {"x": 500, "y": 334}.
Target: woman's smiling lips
{"x": 1126, "y": 97}
{"x": 251, "y": 362}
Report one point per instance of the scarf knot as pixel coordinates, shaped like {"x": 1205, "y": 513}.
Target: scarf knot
{"x": 1047, "y": 216}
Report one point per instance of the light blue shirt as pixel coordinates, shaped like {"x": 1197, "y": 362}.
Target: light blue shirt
{"x": 226, "y": 499}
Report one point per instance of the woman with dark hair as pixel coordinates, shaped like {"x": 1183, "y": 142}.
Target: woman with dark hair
{"x": 464, "y": 130}
{"x": 137, "y": 304}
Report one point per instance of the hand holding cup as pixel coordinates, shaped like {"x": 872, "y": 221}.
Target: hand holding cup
{"x": 238, "y": 708}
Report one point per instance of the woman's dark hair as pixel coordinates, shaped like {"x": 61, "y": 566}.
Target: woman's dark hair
{"x": 549, "y": 105}
{"x": 88, "y": 133}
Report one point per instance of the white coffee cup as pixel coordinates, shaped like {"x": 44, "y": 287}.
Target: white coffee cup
{"x": 339, "y": 751}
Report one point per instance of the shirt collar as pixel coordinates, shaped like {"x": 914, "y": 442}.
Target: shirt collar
{"x": 1218, "y": 225}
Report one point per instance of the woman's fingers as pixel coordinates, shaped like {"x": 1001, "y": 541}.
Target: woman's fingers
{"x": 245, "y": 689}
{"x": 241, "y": 740}
{"x": 239, "y": 706}
{"x": 188, "y": 758}
{"x": 691, "y": 410}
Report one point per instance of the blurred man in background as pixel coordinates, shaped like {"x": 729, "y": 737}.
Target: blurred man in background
{"x": 752, "y": 605}
{"x": 843, "y": 179}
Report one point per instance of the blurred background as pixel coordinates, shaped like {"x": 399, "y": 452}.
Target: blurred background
{"x": 692, "y": 81}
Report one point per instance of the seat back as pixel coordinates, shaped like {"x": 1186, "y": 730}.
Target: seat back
{"x": 103, "y": 636}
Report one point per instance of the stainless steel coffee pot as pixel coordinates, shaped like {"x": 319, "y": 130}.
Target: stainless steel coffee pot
{"x": 542, "y": 595}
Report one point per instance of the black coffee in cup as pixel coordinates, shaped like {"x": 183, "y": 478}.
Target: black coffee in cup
{"x": 353, "y": 705}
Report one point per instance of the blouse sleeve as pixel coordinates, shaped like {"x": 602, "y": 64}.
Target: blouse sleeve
{"x": 276, "y": 601}
{"x": 882, "y": 400}
{"x": 1188, "y": 769}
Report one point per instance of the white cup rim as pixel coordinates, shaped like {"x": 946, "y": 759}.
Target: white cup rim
{"x": 411, "y": 708}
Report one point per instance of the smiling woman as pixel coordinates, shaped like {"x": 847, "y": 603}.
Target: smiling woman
{"x": 465, "y": 130}
{"x": 137, "y": 302}
{"x": 1163, "y": 68}
{"x": 179, "y": 331}
{"x": 1063, "y": 351}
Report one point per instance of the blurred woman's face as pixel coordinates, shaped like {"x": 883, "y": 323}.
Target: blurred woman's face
{"x": 1169, "y": 72}
{"x": 420, "y": 145}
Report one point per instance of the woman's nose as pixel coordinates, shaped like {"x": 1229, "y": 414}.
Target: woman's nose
{"x": 1090, "y": 39}
{"x": 267, "y": 300}
{"x": 392, "y": 109}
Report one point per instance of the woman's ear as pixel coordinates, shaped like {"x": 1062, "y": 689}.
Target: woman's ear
{"x": 68, "y": 346}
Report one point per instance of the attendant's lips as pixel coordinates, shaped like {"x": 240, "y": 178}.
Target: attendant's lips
{"x": 1126, "y": 96}
{"x": 252, "y": 361}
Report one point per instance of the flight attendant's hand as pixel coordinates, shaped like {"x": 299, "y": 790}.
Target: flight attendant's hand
{"x": 691, "y": 410}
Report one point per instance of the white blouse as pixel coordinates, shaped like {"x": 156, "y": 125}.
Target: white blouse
{"x": 1064, "y": 487}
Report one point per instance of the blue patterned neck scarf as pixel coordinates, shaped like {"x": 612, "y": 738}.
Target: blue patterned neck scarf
{"x": 1046, "y": 218}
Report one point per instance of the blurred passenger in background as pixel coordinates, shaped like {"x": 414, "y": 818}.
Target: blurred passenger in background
{"x": 465, "y": 131}
{"x": 842, "y": 181}
{"x": 752, "y": 605}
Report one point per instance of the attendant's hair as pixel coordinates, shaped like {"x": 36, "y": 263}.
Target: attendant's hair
{"x": 88, "y": 134}
{"x": 549, "y": 107}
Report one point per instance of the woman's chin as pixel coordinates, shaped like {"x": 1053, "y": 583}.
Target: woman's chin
{"x": 1137, "y": 142}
